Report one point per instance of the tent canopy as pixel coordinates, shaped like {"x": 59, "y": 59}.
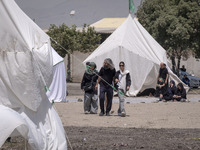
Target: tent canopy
{"x": 142, "y": 55}
{"x": 57, "y": 90}
{"x": 26, "y": 70}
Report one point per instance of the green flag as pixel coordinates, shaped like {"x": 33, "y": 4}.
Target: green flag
{"x": 131, "y": 6}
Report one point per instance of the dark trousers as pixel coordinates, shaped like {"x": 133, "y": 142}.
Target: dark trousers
{"x": 109, "y": 93}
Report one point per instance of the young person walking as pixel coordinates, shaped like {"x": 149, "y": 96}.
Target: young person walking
{"x": 88, "y": 85}
{"x": 122, "y": 84}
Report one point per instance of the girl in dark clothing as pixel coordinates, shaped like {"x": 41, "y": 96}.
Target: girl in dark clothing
{"x": 171, "y": 91}
{"x": 180, "y": 93}
{"x": 88, "y": 85}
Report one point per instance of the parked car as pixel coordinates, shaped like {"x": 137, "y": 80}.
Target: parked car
{"x": 194, "y": 81}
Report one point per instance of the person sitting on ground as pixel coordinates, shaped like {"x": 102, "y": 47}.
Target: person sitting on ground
{"x": 162, "y": 81}
{"x": 183, "y": 68}
{"x": 186, "y": 80}
{"x": 171, "y": 91}
{"x": 88, "y": 85}
{"x": 180, "y": 94}
{"x": 122, "y": 84}
{"x": 160, "y": 88}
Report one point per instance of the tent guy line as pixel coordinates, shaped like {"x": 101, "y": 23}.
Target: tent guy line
{"x": 87, "y": 67}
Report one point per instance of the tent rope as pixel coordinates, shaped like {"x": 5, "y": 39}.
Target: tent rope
{"x": 87, "y": 66}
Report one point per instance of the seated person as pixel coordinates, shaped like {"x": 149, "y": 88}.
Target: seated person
{"x": 171, "y": 91}
{"x": 183, "y": 68}
{"x": 147, "y": 92}
{"x": 180, "y": 94}
{"x": 160, "y": 88}
{"x": 186, "y": 80}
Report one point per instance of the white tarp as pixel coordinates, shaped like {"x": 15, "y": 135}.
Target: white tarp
{"x": 142, "y": 55}
{"x": 26, "y": 70}
{"x": 57, "y": 90}
{"x": 8, "y": 128}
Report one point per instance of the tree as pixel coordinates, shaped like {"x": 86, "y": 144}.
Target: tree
{"x": 175, "y": 24}
{"x": 66, "y": 40}
{"x": 89, "y": 39}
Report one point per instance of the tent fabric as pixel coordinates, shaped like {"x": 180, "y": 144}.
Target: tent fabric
{"x": 8, "y": 128}
{"x": 57, "y": 89}
{"x": 26, "y": 69}
{"x": 142, "y": 55}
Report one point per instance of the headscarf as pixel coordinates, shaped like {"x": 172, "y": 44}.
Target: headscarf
{"x": 181, "y": 85}
{"x": 88, "y": 70}
{"x": 174, "y": 85}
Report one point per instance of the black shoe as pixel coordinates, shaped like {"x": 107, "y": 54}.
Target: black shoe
{"x": 107, "y": 114}
{"x": 101, "y": 114}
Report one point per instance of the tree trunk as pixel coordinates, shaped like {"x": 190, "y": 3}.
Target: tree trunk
{"x": 68, "y": 68}
{"x": 173, "y": 64}
{"x": 178, "y": 65}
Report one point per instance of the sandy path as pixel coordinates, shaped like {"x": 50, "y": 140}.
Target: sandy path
{"x": 140, "y": 115}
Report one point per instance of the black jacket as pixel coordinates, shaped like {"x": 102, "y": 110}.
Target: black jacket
{"x": 181, "y": 92}
{"x": 88, "y": 82}
{"x": 107, "y": 75}
{"x": 128, "y": 79}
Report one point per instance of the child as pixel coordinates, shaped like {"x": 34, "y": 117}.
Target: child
{"x": 88, "y": 85}
{"x": 160, "y": 88}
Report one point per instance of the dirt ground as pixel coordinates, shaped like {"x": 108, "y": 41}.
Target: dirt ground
{"x": 112, "y": 138}
{"x": 148, "y": 126}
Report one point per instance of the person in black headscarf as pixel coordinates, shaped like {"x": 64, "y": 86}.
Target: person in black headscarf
{"x": 171, "y": 91}
{"x": 180, "y": 94}
{"x": 88, "y": 85}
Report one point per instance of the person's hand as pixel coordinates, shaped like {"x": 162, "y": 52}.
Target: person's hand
{"x": 116, "y": 80}
{"x": 127, "y": 88}
{"x": 96, "y": 86}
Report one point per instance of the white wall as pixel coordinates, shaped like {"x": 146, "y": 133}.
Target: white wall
{"x": 77, "y": 68}
{"x": 192, "y": 65}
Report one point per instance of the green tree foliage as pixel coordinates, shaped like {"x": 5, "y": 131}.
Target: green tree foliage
{"x": 89, "y": 39}
{"x": 65, "y": 40}
{"x": 175, "y": 24}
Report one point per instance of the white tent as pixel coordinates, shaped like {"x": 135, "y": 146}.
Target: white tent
{"x": 142, "y": 55}
{"x": 26, "y": 70}
{"x": 8, "y": 128}
{"x": 57, "y": 89}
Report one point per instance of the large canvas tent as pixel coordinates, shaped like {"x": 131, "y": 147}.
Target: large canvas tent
{"x": 26, "y": 72}
{"x": 57, "y": 90}
{"x": 142, "y": 55}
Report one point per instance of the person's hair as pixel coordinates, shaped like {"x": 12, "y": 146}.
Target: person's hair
{"x": 121, "y": 62}
{"x": 110, "y": 63}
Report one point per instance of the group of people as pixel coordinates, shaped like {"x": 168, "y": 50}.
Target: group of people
{"x": 169, "y": 92}
{"x": 120, "y": 81}
{"x": 109, "y": 80}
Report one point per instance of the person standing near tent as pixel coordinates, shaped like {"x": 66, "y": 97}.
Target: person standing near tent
{"x": 162, "y": 81}
{"x": 105, "y": 79}
{"x": 122, "y": 84}
{"x": 88, "y": 85}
